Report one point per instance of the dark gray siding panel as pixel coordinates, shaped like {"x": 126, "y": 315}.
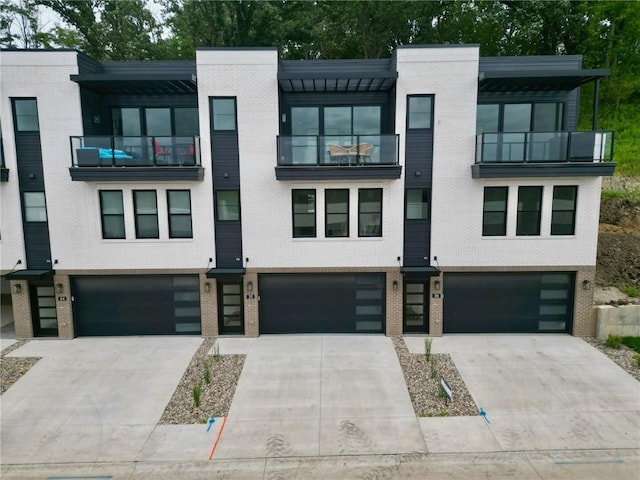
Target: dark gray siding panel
{"x": 157, "y": 100}
{"x": 417, "y": 240}
{"x": 225, "y": 159}
{"x": 149, "y": 67}
{"x": 370, "y": 172}
{"x": 541, "y": 62}
{"x": 29, "y": 159}
{"x": 37, "y": 246}
{"x": 228, "y": 245}
{"x": 532, "y": 170}
{"x": 136, "y": 174}
{"x": 418, "y": 158}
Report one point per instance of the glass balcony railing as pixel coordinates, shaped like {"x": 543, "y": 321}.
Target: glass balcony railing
{"x": 107, "y": 151}
{"x": 337, "y": 150}
{"x": 544, "y": 147}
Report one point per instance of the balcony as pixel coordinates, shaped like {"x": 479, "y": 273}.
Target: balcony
{"x": 99, "y": 158}
{"x": 543, "y": 154}
{"x": 315, "y": 157}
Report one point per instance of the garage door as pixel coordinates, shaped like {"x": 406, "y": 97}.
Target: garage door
{"x": 136, "y": 305}
{"x": 322, "y": 303}
{"x": 508, "y": 302}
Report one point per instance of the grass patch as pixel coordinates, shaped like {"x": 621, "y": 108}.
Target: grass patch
{"x": 614, "y": 341}
{"x": 632, "y": 342}
{"x": 630, "y": 290}
{"x": 631, "y": 195}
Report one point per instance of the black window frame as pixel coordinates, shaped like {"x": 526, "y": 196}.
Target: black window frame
{"x": 532, "y": 117}
{"x": 522, "y": 212}
{"x": 14, "y": 101}
{"x": 431, "y": 113}
{"x": 294, "y": 215}
{"x": 426, "y": 200}
{"x": 103, "y": 215}
{"x": 361, "y": 213}
{"x": 218, "y": 203}
{"x": 555, "y": 210}
{"x": 326, "y": 212}
{"x": 485, "y": 225}
{"x": 43, "y": 207}
{"x": 212, "y": 101}
{"x": 171, "y": 216}
{"x": 137, "y": 215}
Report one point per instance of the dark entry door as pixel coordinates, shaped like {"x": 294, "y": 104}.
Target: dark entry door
{"x": 230, "y": 307}
{"x": 416, "y": 307}
{"x": 43, "y": 309}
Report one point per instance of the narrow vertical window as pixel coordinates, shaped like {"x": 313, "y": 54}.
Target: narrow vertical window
{"x": 228, "y": 205}
{"x": 563, "y": 216}
{"x": 370, "y": 212}
{"x": 336, "y": 213}
{"x": 224, "y": 113}
{"x": 417, "y": 207}
{"x": 419, "y": 111}
{"x": 179, "y": 206}
{"x": 494, "y": 211}
{"x": 25, "y": 111}
{"x": 35, "y": 208}
{"x": 112, "y": 214}
{"x": 146, "y": 213}
{"x": 304, "y": 213}
{"x": 529, "y": 208}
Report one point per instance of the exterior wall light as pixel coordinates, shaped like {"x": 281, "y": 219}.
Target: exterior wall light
{"x": 436, "y": 285}
{"x": 17, "y": 288}
{"x": 249, "y": 286}
{"x": 395, "y": 285}
{"x": 586, "y": 285}
{"x": 59, "y": 288}
{"x": 207, "y": 287}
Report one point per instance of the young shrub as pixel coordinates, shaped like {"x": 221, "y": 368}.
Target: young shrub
{"x": 207, "y": 374}
{"x": 427, "y": 349}
{"x": 196, "y": 395}
{"x": 614, "y": 341}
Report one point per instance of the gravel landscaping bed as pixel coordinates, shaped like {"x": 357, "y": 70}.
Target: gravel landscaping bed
{"x": 12, "y": 368}
{"x": 623, "y": 356}
{"x": 425, "y": 391}
{"x": 215, "y": 395}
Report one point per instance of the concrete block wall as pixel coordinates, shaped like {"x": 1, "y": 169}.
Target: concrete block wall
{"x": 623, "y": 321}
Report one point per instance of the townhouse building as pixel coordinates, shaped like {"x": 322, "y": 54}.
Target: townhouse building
{"x": 432, "y": 192}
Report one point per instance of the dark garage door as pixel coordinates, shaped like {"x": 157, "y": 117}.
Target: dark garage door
{"x": 136, "y": 305}
{"x": 322, "y": 303}
{"x": 508, "y": 302}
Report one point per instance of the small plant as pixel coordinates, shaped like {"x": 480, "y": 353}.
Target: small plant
{"x": 434, "y": 370}
{"x": 427, "y": 349}
{"x": 207, "y": 374}
{"x": 614, "y": 341}
{"x": 630, "y": 290}
{"x": 216, "y": 352}
{"x": 196, "y": 395}
{"x": 632, "y": 342}
{"x": 637, "y": 358}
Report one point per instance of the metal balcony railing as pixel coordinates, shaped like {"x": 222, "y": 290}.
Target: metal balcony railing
{"x": 118, "y": 151}
{"x": 544, "y": 147}
{"x": 337, "y": 150}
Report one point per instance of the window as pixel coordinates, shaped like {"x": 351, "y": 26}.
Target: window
{"x": 417, "y": 204}
{"x": 370, "y": 212}
{"x": 26, "y": 114}
{"x": 162, "y": 122}
{"x": 112, "y": 212}
{"x": 224, "y": 113}
{"x": 529, "y": 207}
{"x": 520, "y": 117}
{"x": 228, "y": 205}
{"x": 35, "y": 209}
{"x": 179, "y": 205}
{"x": 146, "y": 209}
{"x": 563, "y": 216}
{"x": 337, "y": 213}
{"x": 419, "y": 111}
{"x": 494, "y": 211}
{"x": 304, "y": 213}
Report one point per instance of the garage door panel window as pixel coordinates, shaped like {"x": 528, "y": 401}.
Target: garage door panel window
{"x": 494, "y": 215}
{"x": 304, "y": 213}
{"x": 564, "y": 210}
{"x": 146, "y": 210}
{"x": 112, "y": 213}
{"x": 370, "y": 212}
{"x": 529, "y": 210}
{"x": 337, "y": 213}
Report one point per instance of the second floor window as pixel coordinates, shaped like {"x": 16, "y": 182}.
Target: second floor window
{"x": 563, "y": 215}
{"x": 417, "y": 204}
{"x": 228, "y": 205}
{"x": 112, "y": 214}
{"x": 336, "y": 212}
{"x": 370, "y": 212}
{"x": 304, "y": 213}
{"x": 529, "y": 208}
{"x": 179, "y": 205}
{"x": 494, "y": 211}
{"x": 146, "y": 213}
{"x": 35, "y": 208}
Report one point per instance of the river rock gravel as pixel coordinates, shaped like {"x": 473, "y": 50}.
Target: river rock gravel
{"x": 12, "y": 368}
{"x": 424, "y": 387}
{"x": 215, "y": 396}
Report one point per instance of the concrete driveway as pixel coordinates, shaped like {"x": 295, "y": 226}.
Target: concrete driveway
{"x": 540, "y": 392}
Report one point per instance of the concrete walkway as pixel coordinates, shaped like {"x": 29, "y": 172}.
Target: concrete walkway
{"x": 318, "y": 395}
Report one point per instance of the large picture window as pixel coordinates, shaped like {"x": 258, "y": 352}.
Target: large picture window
{"x": 529, "y": 208}
{"x": 304, "y": 213}
{"x": 179, "y": 206}
{"x": 112, "y": 213}
{"x": 494, "y": 211}
{"x": 370, "y": 212}
{"x": 337, "y": 213}
{"x": 146, "y": 213}
{"x": 563, "y": 216}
